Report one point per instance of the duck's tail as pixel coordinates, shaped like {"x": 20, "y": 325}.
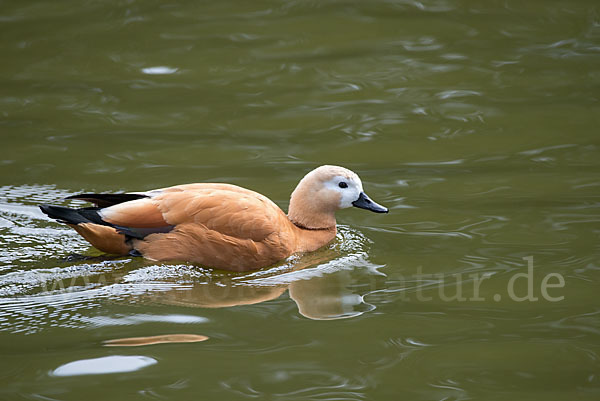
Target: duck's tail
{"x": 73, "y": 216}
{"x": 88, "y": 223}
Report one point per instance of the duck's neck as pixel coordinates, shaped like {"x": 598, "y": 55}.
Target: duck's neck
{"x": 305, "y": 213}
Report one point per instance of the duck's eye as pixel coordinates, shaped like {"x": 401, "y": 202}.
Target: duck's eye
{"x": 343, "y": 184}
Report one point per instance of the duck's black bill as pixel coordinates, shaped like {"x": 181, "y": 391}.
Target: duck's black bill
{"x": 364, "y": 202}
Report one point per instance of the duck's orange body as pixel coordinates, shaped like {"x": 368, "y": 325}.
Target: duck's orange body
{"x": 216, "y": 225}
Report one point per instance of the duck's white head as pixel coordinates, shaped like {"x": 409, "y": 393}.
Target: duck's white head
{"x": 325, "y": 190}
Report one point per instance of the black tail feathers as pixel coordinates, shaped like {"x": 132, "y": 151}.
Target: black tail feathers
{"x": 73, "y": 216}
{"x": 90, "y": 215}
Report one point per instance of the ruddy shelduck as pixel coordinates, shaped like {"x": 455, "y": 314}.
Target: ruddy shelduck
{"x": 221, "y": 226}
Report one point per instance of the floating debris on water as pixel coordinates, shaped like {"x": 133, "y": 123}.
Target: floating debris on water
{"x": 162, "y": 339}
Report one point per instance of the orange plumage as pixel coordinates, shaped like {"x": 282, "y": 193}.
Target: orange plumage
{"x": 218, "y": 225}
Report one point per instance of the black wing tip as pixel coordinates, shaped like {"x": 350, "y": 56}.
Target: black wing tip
{"x": 46, "y": 208}
{"x": 61, "y": 213}
{"x": 106, "y": 200}
{"x": 52, "y": 209}
{"x": 141, "y": 233}
{"x": 128, "y": 232}
{"x": 72, "y": 216}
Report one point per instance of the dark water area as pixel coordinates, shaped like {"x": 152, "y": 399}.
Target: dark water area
{"x": 475, "y": 122}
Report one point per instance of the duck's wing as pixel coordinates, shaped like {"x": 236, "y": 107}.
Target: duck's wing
{"x": 225, "y": 209}
{"x": 214, "y": 225}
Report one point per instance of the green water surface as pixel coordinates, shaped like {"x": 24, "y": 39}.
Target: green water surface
{"x": 475, "y": 122}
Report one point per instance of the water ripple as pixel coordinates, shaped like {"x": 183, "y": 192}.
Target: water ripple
{"x": 306, "y": 381}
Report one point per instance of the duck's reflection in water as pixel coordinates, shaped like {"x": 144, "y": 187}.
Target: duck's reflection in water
{"x": 328, "y": 297}
{"x": 322, "y": 284}
{"x": 320, "y": 290}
